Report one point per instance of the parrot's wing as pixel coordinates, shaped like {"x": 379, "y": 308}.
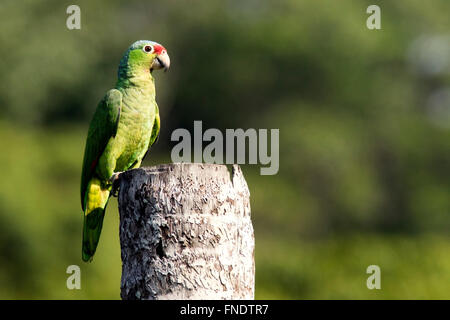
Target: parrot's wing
{"x": 155, "y": 131}
{"x": 156, "y": 127}
{"x": 103, "y": 127}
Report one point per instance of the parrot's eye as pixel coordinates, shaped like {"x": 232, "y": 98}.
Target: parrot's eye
{"x": 148, "y": 49}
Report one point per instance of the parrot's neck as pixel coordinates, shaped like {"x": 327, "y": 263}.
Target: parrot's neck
{"x": 139, "y": 79}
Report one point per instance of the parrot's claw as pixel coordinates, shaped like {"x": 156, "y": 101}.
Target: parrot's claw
{"x": 114, "y": 181}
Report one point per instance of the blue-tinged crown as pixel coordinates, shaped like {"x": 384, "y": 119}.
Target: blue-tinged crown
{"x": 124, "y": 61}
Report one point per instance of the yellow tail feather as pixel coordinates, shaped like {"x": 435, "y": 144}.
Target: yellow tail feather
{"x": 96, "y": 199}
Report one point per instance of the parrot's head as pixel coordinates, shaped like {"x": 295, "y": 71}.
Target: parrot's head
{"x": 144, "y": 55}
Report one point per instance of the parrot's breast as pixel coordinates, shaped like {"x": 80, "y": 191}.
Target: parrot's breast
{"x": 134, "y": 131}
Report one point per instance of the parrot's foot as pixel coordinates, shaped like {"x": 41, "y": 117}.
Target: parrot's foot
{"x": 114, "y": 181}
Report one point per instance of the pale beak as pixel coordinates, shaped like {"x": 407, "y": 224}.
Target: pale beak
{"x": 162, "y": 61}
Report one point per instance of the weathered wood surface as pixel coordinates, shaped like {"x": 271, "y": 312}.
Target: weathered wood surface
{"x": 186, "y": 233}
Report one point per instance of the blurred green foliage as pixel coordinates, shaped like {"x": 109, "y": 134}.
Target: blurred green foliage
{"x": 364, "y": 120}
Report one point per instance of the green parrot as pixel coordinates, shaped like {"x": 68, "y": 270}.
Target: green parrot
{"x": 123, "y": 128}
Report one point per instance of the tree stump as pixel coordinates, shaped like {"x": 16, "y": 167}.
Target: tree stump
{"x": 186, "y": 233}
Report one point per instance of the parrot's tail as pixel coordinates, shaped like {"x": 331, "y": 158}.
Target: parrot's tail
{"x": 97, "y": 198}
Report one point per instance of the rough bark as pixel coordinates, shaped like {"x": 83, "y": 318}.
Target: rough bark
{"x": 186, "y": 233}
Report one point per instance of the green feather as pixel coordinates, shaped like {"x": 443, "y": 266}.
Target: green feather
{"x": 103, "y": 127}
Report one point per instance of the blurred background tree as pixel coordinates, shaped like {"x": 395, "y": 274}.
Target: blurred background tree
{"x": 364, "y": 119}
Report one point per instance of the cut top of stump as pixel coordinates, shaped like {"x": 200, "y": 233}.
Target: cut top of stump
{"x": 191, "y": 187}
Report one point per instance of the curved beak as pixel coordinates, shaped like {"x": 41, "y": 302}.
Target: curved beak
{"x": 162, "y": 61}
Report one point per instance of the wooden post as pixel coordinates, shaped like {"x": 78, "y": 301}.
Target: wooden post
{"x": 186, "y": 233}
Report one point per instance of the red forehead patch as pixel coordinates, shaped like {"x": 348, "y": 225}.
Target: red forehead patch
{"x": 158, "y": 48}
